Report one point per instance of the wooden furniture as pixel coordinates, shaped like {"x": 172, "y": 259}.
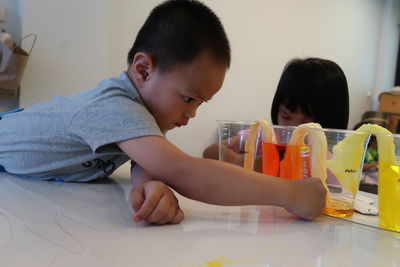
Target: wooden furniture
{"x": 389, "y": 102}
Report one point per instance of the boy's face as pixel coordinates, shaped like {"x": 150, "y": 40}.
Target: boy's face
{"x": 173, "y": 96}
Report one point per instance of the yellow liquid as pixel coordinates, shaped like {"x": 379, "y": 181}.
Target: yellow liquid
{"x": 389, "y": 196}
{"x": 338, "y": 208}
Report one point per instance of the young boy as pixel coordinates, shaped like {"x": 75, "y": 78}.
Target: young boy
{"x": 177, "y": 62}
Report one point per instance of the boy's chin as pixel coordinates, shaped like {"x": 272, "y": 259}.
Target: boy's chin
{"x": 167, "y": 128}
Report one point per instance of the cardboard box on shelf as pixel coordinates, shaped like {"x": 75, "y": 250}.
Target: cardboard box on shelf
{"x": 394, "y": 123}
{"x": 389, "y": 102}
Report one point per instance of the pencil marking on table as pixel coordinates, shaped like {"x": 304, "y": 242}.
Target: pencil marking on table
{"x": 115, "y": 225}
{"x": 11, "y": 233}
{"x": 77, "y": 251}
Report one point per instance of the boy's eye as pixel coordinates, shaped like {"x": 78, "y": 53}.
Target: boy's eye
{"x": 187, "y": 99}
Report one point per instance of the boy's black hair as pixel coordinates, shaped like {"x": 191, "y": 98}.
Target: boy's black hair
{"x": 318, "y": 88}
{"x": 177, "y": 31}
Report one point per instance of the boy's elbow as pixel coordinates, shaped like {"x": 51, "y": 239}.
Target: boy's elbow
{"x": 206, "y": 153}
{"x": 211, "y": 152}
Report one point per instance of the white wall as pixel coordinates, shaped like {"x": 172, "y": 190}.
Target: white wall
{"x": 71, "y": 50}
{"x": 81, "y": 42}
{"x": 11, "y": 24}
{"x": 387, "y": 50}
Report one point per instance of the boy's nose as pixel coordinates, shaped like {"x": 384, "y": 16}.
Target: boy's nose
{"x": 190, "y": 113}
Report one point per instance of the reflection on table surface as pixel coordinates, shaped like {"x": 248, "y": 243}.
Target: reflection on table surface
{"x": 75, "y": 224}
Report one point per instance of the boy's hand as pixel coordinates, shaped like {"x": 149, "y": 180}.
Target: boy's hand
{"x": 307, "y": 199}
{"x": 154, "y": 202}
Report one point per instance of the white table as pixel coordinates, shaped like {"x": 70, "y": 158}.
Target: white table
{"x": 74, "y": 224}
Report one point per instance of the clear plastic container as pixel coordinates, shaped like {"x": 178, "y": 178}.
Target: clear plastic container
{"x": 340, "y": 166}
{"x": 232, "y": 139}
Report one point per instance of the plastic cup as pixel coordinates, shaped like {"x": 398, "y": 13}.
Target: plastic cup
{"x": 334, "y": 156}
{"x": 232, "y": 139}
{"x": 282, "y": 159}
{"x": 389, "y": 181}
{"x": 344, "y": 159}
{"x": 267, "y": 156}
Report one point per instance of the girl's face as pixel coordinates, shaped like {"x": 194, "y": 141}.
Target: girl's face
{"x": 288, "y": 118}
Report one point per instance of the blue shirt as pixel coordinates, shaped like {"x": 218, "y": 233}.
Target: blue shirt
{"x": 73, "y": 138}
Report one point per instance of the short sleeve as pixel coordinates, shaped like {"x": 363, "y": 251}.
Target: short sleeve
{"x": 112, "y": 118}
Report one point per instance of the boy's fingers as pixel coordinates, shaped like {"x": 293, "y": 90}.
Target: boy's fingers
{"x": 168, "y": 215}
{"x": 175, "y": 214}
{"x": 149, "y": 204}
{"x": 179, "y": 216}
{"x": 137, "y": 197}
{"x": 165, "y": 205}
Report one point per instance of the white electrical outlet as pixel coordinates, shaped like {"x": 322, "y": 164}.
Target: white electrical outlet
{"x": 2, "y": 13}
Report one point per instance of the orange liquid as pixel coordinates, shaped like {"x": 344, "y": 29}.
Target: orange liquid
{"x": 338, "y": 208}
{"x": 284, "y": 161}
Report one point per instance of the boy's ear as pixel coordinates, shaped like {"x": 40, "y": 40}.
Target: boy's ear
{"x": 140, "y": 68}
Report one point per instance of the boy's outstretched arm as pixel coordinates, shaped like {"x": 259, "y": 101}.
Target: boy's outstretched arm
{"x": 153, "y": 201}
{"x": 222, "y": 183}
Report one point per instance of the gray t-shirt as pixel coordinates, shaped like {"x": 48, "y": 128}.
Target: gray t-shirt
{"x": 73, "y": 138}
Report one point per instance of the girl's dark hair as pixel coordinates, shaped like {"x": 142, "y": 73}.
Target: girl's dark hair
{"x": 177, "y": 31}
{"x": 318, "y": 88}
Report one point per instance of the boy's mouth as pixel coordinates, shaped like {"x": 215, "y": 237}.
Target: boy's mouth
{"x": 180, "y": 124}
